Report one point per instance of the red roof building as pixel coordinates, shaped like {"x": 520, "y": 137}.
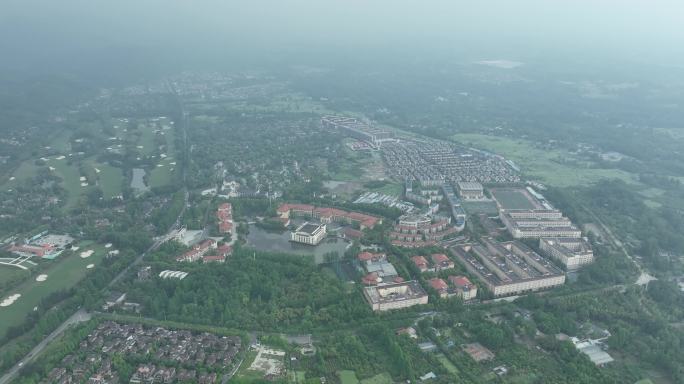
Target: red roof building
{"x": 198, "y": 251}
{"x": 372, "y": 279}
{"x": 214, "y": 259}
{"x": 441, "y": 261}
{"x": 420, "y": 262}
{"x": 440, "y": 286}
{"x": 369, "y": 256}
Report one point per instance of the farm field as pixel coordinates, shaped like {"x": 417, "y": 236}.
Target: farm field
{"x": 67, "y": 270}
{"x": 553, "y": 167}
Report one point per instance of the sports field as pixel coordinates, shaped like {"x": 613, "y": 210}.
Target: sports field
{"x": 513, "y": 199}
{"x": 65, "y": 272}
{"x": 348, "y": 377}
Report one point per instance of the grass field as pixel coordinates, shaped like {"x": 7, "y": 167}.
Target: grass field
{"x": 512, "y": 199}
{"x": 383, "y": 378}
{"x": 553, "y": 167}
{"x": 448, "y": 365}
{"x": 348, "y": 377}
{"x": 65, "y": 271}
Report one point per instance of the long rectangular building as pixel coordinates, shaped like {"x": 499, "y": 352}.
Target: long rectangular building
{"x": 395, "y": 295}
{"x": 572, "y": 252}
{"x": 536, "y": 223}
{"x": 508, "y": 268}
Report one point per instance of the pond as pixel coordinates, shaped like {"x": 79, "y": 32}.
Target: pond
{"x": 273, "y": 241}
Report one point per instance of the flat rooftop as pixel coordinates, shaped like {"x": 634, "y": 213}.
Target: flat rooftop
{"x": 308, "y": 228}
{"x": 505, "y": 263}
{"x": 395, "y": 292}
{"x": 469, "y": 186}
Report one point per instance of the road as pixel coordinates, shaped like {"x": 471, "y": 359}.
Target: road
{"x": 78, "y": 317}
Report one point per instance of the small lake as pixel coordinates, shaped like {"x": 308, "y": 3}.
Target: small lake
{"x": 138, "y": 180}
{"x": 272, "y": 241}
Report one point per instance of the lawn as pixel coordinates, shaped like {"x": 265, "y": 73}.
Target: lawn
{"x": 348, "y": 377}
{"x": 554, "y": 167}
{"x": 70, "y": 179}
{"x": 65, "y": 272}
{"x": 383, "y": 378}
{"x": 11, "y": 275}
{"x": 448, "y": 365}
{"x": 512, "y": 199}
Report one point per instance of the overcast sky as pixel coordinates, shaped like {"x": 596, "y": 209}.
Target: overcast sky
{"x": 36, "y": 30}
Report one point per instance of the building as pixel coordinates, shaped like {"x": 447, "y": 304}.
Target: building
{"x": 167, "y": 274}
{"x": 328, "y": 215}
{"x": 463, "y": 287}
{"x": 224, "y": 215}
{"x": 395, "y": 295}
{"x": 440, "y": 286}
{"x": 537, "y": 223}
{"x": 572, "y": 252}
{"x": 421, "y": 230}
{"x": 457, "y": 211}
{"x": 198, "y": 251}
{"x": 470, "y": 190}
{"x": 358, "y": 129}
{"x": 421, "y": 263}
{"x": 441, "y": 261}
{"x": 113, "y": 300}
{"x": 508, "y": 268}
{"x": 308, "y": 233}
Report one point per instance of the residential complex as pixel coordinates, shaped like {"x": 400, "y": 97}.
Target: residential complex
{"x": 358, "y": 129}
{"x": 395, "y": 295}
{"x": 508, "y": 268}
{"x": 572, "y": 252}
{"x": 225, "y": 218}
{"x": 459, "y": 286}
{"x": 308, "y": 233}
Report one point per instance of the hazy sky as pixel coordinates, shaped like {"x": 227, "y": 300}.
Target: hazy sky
{"x": 56, "y": 31}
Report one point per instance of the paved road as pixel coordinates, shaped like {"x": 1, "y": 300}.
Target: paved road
{"x": 80, "y": 316}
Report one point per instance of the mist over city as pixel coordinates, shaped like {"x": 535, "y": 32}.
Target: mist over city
{"x": 346, "y": 192}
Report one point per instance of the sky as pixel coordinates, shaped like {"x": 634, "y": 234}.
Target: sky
{"x": 49, "y": 33}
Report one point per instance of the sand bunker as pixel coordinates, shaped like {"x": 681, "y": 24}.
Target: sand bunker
{"x": 87, "y": 253}
{"x": 41, "y": 278}
{"x": 60, "y": 157}
{"x": 108, "y": 245}
{"x": 12, "y": 178}
{"x": 90, "y": 266}
{"x": 162, "y": 155}
{"x": 74, "y": 249}
{"x": 97, "y": 170}
{"x": 140, "y": 147}
{"x": 160, "y": 165}
{"x": 84, "y": 184}
{"x": 52, "y": 168}
{"x": 10, "y": 300}
{"x": 82, "y": 178}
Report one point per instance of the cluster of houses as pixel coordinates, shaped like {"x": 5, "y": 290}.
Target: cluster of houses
{"x": 161, "y": 349}
{"x": 208, "y": 251}
{"x": 225, "y": 218}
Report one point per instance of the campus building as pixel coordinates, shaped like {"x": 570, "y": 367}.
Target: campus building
{"x": 572, "y": 252}
{"x": 395, "y": 295}
{"x": 537, "y": 223}
{"x": 414, "y": 231}
{"x": 308, "y": 233}
{"x": 358, "y": 129}
{"x": 470, "y": 190}
{"x": 328, "y": 215}
{"x": 508, "y": 268}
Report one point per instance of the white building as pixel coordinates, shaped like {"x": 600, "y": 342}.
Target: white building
{"x": 309, "y": 233}
{"x": 471, "y": 190}
{"x": 573, "y": 253}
